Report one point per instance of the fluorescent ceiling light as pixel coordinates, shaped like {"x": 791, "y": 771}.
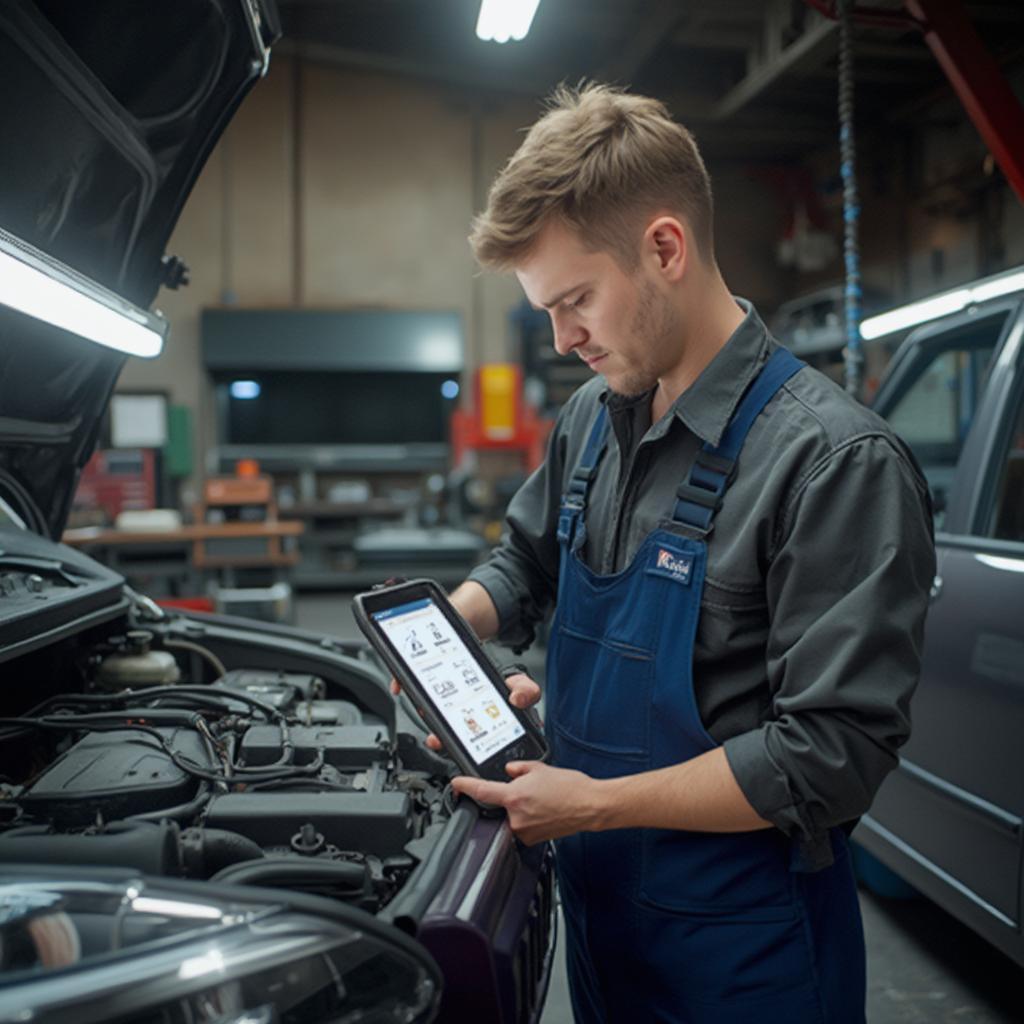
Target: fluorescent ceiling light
{"x": 44, "y": 288}
{"x": 942, "y": 305}
{"x": 502, "y": 20}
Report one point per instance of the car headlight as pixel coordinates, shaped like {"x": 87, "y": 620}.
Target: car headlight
{"x": 89, "y": 947}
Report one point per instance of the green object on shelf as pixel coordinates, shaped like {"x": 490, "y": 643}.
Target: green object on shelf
{"x": 178, "y": 450}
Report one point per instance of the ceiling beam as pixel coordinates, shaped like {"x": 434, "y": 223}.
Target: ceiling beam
{"x": 777, "y": 59}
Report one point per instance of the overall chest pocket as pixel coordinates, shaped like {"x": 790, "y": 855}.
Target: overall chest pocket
{"x": 602, "y": 702}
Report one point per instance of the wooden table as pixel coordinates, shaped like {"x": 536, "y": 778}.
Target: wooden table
{"x": 185, "y": 559}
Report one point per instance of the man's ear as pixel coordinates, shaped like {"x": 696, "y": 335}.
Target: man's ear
{"x": 665, "y": 243}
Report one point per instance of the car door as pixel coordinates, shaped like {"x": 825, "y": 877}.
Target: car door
{"x": 950, "y": 817}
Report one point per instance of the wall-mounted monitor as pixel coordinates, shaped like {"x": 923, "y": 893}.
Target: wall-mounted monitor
{"x": 336, "y": 407}
{"x": 333, "y": 378}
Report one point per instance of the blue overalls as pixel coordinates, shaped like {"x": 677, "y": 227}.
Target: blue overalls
{"x": 668, "y": 925}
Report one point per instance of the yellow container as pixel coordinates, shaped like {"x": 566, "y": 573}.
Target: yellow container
{"x": 499, "y": 387}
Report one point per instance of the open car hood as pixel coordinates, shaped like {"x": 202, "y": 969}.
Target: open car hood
{"x": 110, "y": 112}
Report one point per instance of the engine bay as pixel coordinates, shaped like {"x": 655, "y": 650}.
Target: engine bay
{"x": 152, "y": 754}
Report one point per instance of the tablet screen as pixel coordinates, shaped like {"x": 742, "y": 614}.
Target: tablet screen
{"x": 460, "y": 690}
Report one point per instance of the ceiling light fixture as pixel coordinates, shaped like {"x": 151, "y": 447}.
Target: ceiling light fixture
{"x": 502, "y": 20}
{"x": 942, "y": 305}
{"x": 46, "y": 289}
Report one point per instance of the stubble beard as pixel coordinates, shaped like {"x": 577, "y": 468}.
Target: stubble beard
{"x": 652, "y": 329}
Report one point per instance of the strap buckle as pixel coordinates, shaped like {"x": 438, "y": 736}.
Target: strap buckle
{"x": 711, "y": 499}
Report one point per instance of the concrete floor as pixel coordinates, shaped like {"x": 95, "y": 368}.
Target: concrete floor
{"x": 924, "y": 967}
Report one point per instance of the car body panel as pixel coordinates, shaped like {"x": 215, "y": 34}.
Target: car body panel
{"x": 950, "y": 818}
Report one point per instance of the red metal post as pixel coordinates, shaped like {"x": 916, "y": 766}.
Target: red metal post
{"x": 988, "y": 100}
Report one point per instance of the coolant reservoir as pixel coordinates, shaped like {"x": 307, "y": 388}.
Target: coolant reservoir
{"x": 134, "y": 665}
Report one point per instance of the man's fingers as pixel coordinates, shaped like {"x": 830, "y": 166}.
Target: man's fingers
{"x": 481, "y": 789}
{"x": 433, "y": 742}
{"x": 525, "y": 692}
{"x": 516, "y": 768}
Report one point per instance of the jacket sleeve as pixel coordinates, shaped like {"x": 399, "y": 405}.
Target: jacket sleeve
{"x": 521, "y": 574}
{"x": 847, "y": 591}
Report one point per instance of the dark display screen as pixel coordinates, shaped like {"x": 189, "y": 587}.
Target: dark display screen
{"x": 350, "y": 407}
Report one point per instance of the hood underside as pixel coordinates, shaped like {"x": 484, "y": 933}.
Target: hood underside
{"x": 110, "y": 113}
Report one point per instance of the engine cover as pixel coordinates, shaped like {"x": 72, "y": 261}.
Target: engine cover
{"x": 117, "y": 774}
{"x": 378, "y": 823}
{"x": 344, "y": 746}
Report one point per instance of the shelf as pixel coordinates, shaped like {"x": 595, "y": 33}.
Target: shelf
{"x": 393, "y": 483}
{"x": 367, "y": 458}
{"x": 91, "y": 535}
{"x": 339, "y": 509}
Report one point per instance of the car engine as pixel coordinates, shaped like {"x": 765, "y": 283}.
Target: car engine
{"x": 256, "y": 776}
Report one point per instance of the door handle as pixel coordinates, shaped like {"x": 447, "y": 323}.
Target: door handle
{"x": 936, "y": 589}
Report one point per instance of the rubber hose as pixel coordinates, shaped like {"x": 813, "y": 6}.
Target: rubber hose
{"x": 299, "y": 872}
{"x": 219, "y": 849}
{"x": 181, "y": 812}
{"x": 141, "y": 846}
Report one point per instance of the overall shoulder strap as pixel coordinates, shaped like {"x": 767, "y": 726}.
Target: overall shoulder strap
{"x": 574, "y": 501}
{"x": 699, "y": 496}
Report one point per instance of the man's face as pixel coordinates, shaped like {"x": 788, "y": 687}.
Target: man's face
{"x": 620, "y": 324}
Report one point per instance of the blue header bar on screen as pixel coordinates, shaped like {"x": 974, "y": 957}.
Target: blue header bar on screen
{"x": 403, "y": 609}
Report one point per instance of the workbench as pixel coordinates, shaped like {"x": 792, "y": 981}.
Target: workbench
{"x": 186, "y": 561}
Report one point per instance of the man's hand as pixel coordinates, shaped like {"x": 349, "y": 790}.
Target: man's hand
{"x": 525, "y": 693}
{"x": 542, "y": 802}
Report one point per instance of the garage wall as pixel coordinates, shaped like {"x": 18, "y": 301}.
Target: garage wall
{"x": 335, "y": 189}
{"x": 339, "y": 188}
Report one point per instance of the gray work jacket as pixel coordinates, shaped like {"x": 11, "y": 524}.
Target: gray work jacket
{"x": 819, "y": 566}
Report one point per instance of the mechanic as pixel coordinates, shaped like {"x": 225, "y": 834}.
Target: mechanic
{"x": 740, "y": 557}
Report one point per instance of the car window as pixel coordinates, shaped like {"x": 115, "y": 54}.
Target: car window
{"x": 1007, "y": 521}
{"x": 938, "y": 401}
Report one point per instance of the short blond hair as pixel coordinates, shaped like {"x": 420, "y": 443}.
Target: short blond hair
{"x": 601, "y": 160}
